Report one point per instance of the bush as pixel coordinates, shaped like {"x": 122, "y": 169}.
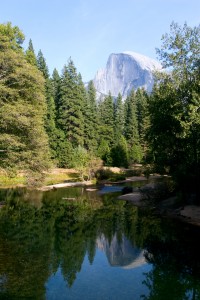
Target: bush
{"x": 107, "y": 174}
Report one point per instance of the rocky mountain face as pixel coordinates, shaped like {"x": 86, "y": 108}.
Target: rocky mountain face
{"x": 124, "y": 72}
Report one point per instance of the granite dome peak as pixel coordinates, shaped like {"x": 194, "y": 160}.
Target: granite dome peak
{"x": 126, "y": 71}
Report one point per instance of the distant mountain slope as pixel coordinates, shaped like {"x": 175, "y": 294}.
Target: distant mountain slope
{"x": 125, "y": 71}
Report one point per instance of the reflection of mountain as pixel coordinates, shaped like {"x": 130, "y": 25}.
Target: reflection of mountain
{"x": 121, "y": 252}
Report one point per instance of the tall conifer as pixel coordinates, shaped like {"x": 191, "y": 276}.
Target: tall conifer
{"x": 23, "y": 140}
{"x": 131, "y": 129}
{"x": 118, "y": 118}
{"x": 91, "y": 119}
{"x": 50, "y": 125}
{"x": 106, "y": 114}
{"x": 142, "y": 117}
{"x": 30, "y": 54}
{"x": 70, "y": 108}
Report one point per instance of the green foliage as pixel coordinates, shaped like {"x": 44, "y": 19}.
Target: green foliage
{"x": 106, "y": 118}
{"x": 11, "y": 37}
{"x": 174, "y": 108}
{"x": 180, "y": 52}
{"x": 142, "y": 100}
{"x": 58, "y": 234}
{"x": 119, "y": 133}
{"x": 119, "y": 153}
{"x": 9, "y": 181}
{"x": 23, "y": 140}
{"x": 64, "y": 150}
{"x": 118, "y": 118}
{"x": 30, "y": 54}
{"x": 131, "y": 129}
{"x": 91, "y": 119}
{"x": 109, "y": 175}
{"x": 42, "y": 66}
{"x": 104, "y": 152}
{"x": 55, "y": 83}
{"x": 70, "y": 115}
{"x": 85, "y": 163}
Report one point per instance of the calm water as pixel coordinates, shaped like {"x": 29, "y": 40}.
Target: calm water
{"x": 78, "y": 244}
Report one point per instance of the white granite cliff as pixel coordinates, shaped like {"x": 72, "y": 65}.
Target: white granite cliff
{"x": 124, "y": 72}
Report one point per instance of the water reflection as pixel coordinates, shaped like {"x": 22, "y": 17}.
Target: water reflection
{"x": 94, "y": 245}
{"x": 121, "y": 253}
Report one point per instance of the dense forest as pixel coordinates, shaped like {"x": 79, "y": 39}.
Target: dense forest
{"x": 55, "y": 120}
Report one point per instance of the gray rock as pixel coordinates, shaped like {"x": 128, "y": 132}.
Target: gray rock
{"x": 124, "y": 72}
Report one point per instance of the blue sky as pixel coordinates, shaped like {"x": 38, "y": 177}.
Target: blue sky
{"x": 90, "y": 30}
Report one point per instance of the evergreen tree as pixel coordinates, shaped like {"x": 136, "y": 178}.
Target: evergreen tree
{"x": 141, "y": 98}
{"x": 131, "y": 129}
{"x": 104, "y": 152}
{"x": 42, "y": 66}
{"x": 91, "y": 118}
{"x": 71, "y": 106}
{"x": 106, "y": 128}
{"x": 174, "y": 108}
{"x": 118, "y": 118}
{"x": 55, "y": 83}
{"x": 30, "y": 54}
{"x": 50, "y": 125}
{"x": 106, "y": 116}
{"x": 23, "y": 141}
{"x": 119, "y": 153}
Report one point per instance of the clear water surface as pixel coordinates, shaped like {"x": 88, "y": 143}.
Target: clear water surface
{"x": 79, "y": 244}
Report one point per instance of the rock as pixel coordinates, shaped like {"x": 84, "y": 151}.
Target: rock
{"x": 127, "y": 190}
{"x": 124, "y": 72}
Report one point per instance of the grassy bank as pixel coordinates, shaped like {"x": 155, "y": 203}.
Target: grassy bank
{"x": 59, "y": 175}
{"x": 9, "y": 182}
{"x": 53, "y": 177}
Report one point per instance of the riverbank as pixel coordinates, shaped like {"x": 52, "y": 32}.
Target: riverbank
{"x": 109, "y": 175}
{"x": 61, "y": 178}
{"x": 189, "y": 214}
{"x": 54, "y": 176}
{"x": 63, "y": 185}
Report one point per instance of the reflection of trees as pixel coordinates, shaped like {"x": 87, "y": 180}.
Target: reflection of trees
{"x": 25, "y": 250}
{"x": 57, "y": 233}
{"x": 38, "y": 239}
{"x": 176, "y": 265}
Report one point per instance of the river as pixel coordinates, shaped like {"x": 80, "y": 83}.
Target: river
{"x": 78, "y": 243}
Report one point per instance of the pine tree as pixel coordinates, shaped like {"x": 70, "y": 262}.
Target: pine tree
{"x": 50, "y": 125}
{"x": 141, "y": 98}
{"x": 70, "y": 108}
{"x": 174, "y": 108}
{"x": 55, "y": 83}
{"x": 30, "y": 54}
{"x": 23, "y": 140}
{"x": 42, "y": 66}
{"x": 119, "y": 153}
{"x": 118, "y": 118}
{"x": 131, "y": 129}
{"x": 91, "y": 119}
{"x": 106, "y": 116}
{"x": 106, "y": 128}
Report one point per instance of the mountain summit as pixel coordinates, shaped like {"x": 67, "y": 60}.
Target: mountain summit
{"x": 124, "y": 72}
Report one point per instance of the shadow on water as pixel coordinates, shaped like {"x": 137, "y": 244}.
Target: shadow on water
{"x": 51, "y": 247}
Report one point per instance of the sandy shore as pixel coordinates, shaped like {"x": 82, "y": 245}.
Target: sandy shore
{"x": 62, "y": 185}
